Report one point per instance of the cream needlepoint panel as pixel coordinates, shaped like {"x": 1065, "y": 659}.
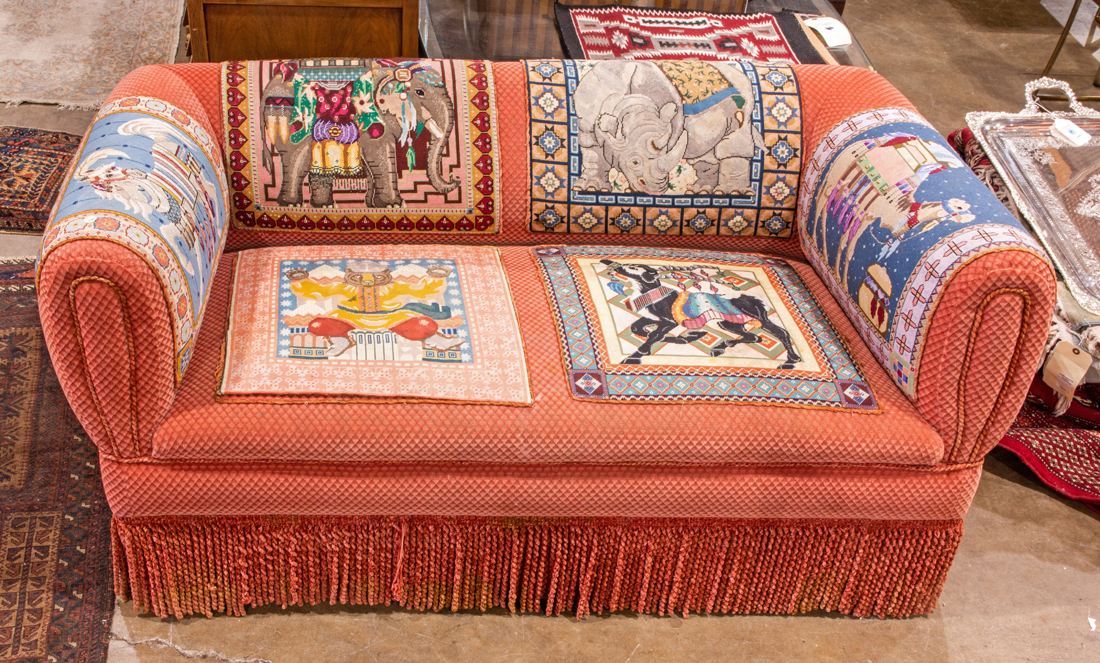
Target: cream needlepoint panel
{"x": 384, "y": 323}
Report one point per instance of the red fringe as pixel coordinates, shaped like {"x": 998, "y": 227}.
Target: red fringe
{"x": 181, "y": 566}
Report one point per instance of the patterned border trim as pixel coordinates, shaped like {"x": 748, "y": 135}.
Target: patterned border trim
{"x": 925, "y": 286}
{"x": 768, "y": 211}
{"x": 141, "y": 238}
{"x": 483, "y": 173}
{"x": 920, "y": 296}
{"x": 591, "y": 378}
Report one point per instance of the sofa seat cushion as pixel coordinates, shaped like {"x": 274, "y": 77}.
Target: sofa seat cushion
{"x": 558, "y": 427}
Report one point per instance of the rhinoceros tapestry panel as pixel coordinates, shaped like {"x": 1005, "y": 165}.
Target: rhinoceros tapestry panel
{"x": 664, "y": 147}
{"x": 362, "y": 145}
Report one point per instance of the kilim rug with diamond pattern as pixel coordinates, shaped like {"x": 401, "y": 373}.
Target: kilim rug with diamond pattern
{"x": 55, "y": 590}
{"x": 1064, "y": 452}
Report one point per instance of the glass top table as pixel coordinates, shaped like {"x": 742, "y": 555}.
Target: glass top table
{"x": 527, "y": 29}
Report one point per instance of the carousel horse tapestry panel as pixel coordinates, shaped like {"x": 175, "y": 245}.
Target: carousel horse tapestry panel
{"x": 665, "y": 147}
{"x": 891, "y": 214}
{"x": 383, "y": 323}
{"x": 362, "y": 145}
{"x": 682, "y": 325}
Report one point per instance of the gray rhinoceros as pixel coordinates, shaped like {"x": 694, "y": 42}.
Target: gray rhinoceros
{"x": 633, "y": 117}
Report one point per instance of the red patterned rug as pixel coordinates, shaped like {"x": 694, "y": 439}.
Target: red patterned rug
{"x": 55, "y": 591}
{"x": 631, "y": 33}
{"x": 1064, "y": 452}
{"x": 32, "y": 165}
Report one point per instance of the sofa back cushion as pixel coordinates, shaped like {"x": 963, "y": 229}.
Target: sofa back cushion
{"x": 667, "y": 147}
{"x": 508, "y": 169}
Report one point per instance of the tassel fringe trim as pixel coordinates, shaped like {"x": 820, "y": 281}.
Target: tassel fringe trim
{"x": 203, "y": 565}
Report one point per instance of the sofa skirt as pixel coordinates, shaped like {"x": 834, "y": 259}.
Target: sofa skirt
{"x": 204, "y": 565}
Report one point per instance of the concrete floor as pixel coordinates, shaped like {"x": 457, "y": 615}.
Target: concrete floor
{"x": 1024, "y": 586}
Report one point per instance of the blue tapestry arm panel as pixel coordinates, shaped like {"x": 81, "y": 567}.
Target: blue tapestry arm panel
{"x": 664, "y": 147}
{"x": 149, "y": 178}
{"x": 889, "y": 215}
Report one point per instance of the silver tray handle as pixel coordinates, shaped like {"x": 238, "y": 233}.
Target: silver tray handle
{"x": 1045, "y": 83}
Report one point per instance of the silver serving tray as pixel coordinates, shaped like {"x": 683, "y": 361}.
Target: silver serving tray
{"x": 1055, "y": 184}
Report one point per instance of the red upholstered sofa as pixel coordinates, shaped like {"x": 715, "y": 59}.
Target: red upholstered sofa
{"x": 801, "y": 427}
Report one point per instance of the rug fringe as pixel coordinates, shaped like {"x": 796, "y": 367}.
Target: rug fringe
{"x": 80, "y": 107}
{"x": 90, "y": 106}
{"x": 203, "y": 565}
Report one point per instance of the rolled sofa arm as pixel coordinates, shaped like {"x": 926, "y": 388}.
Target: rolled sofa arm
{"x": 948, "y": 290}
{"x": 126, "y": 262}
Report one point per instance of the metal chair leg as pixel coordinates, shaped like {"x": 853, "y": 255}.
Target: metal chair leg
{"x": 1062, "y": 39}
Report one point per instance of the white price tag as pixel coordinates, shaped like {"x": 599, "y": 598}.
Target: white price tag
{"x": 1069, "y": 132}
{"x": 1065, "y": 368}
{"x": 834, "y": 33}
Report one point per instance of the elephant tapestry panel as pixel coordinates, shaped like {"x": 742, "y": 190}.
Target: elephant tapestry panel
{"x": 362, "y": 145}
{"x": 891, "y": 213}
{"x": 666, "y": 147}
{"x": 683, "y": 325}
{"x": 150, "y": 178}
{"x": 382, "y": 323}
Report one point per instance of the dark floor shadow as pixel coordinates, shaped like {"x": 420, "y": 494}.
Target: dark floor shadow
{"x": 361, "y": 610}
{"x": 1004, "y": 464}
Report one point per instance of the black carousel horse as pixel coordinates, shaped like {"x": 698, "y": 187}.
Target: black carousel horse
{"x": 656, "y": 319}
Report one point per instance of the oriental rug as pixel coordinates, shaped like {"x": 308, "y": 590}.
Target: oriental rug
{"x": 633, "y": 33}
{"x": 382, "y": 323}
{"x": 73, "y": 52}
{"x": 55, "y": 588}
{"x": 32, "y": 164}
{"x": 682, "y": 325}
{"x": 1064, "y": 452}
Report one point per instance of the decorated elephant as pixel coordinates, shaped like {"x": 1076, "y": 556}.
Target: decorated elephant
{"x": 407, "y": 98}
{"x": 638, "y": 121}
{"x": 345, "y": 129}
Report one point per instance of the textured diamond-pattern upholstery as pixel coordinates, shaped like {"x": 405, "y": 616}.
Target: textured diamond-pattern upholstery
{"x": 556, "y": 429}
{"x": 148, "y": 382}
{"x": 997, "y": 310}
{"x": 831, "y": 94}
{"x": 515, "y": 490}
{"x": 194, "y": 88}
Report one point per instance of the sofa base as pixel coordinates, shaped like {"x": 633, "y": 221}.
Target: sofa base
{"x": 179, "y": 565}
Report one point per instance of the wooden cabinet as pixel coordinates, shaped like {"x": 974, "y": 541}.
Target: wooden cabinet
{"x": 286, "y": 29}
